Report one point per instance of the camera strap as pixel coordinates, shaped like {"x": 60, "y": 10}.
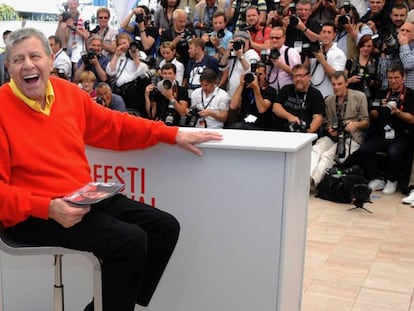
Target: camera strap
{"x": 209, "y": 102}
{"x": 401, "y": 95}
{"x": 120, "y": 70}
{"x": 341, "y": 109}
{"x": 301, "y": 102}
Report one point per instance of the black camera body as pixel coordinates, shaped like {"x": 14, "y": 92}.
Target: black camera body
{"x": 99, "y": 100}
{"x": 139, "y": 18}
{"x": 274, "y": 54}
{"x": 293, "y": 21}
{"x": 221, "y": 33}
{"x": 344, "y": 20}
{"x": 192, "y": 116}
{"x": 65, "y": 16}
{"x": 132, "y": 49}
{"x": 87, "y": 25}
{"x": 169, "y": 118}
{"x": 238, "y": 44}
{"x": 88, "y": 56}
{"x": 300, "y": 127}
{"x": 339, "y": 126}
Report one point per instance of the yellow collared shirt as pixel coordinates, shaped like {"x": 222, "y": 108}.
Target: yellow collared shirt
{"x": 50, "y": 98}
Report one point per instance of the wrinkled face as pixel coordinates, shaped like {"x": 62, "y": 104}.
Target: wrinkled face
{"x": 218, "y": 23}
{"x": 208, "y": 87}
{"x": 252, "y": 17}
{"x": 168, "y": 74}
{"x": 327, "y": 35}
{"x": 104, "y": 93}
{"x": 180, "y": 22}
{"x": 408, "y": 30}
{"x": 376, "y": 6}
{"x": 277, "y": 38}
{"x": 303, "y": 11}
{"x": 167, "y": 53}
{"x": 367, "y": 48}
{"x": 395, "y": 80}
{"x": 339, "y": 86}
{"x": 301, "y": 80}
{"x": 29, "y": 66}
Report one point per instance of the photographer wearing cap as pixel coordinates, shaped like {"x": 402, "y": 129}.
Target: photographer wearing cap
{"x": 143, "y": 33}
{"x": 93, "y": 60}
{"x": 280, "y": 60}
{"x": 251, "y": 104}
{"x": 166, "y": 98}
{"x": 209, "y": 103}
{"x": 347, "y": 117}
{"x": 236, "y": 61}
{"x": 299, "y": 107}
{"x": 394, "y": 119}
{"x": 328, "y": 59}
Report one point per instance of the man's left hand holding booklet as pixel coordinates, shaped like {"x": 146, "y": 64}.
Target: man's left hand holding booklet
{"x": 93, "y": 192}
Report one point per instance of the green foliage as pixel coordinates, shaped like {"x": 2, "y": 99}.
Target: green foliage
{"x": 7, "y": 13}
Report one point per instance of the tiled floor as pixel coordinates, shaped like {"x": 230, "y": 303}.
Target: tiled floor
{"x": 356, "y": 261}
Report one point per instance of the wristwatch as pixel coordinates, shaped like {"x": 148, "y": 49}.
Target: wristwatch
{"x": 241, "y": 57}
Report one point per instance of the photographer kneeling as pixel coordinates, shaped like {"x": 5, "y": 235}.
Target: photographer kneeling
{"x": 347, "y": 117}
{"x": 167, "y": 101}
{"x": 394, "y": 119}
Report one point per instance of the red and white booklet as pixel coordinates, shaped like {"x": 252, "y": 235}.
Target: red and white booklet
{"x": 93, "y": 192}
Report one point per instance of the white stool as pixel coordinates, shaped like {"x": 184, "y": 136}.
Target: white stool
{"x": 10, "y": 246}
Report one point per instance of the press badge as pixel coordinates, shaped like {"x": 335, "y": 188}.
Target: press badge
{"x": 389, "y": 132}
{"x": 250, "y": 119}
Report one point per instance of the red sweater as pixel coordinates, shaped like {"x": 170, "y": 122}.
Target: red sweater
{"x": 43, "y": 157}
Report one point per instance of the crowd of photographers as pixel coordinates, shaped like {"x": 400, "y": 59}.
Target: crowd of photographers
{"x": 341, "y": 69}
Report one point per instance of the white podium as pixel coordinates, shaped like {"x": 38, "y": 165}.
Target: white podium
{"x": 242, "y": 207}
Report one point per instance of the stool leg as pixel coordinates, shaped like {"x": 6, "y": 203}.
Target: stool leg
{"x": 58, "y": 287}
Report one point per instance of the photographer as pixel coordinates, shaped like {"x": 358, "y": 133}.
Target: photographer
{"x": 203, "y": 14}
{"x": 209, "y": 102}
{"x": 236, "y": 13}
{"x": 394, "y": 117}
{"x": 106, "y": 98}
{"x": 280, "y": 60}
{"x": 299, "y": 107}
{"x": 62, "y": 62}
{"x": 251, "y": 104}
{"x": 406, "y": 41}
{"x": 347, "y": 117}
{"x": 106, "y": 32}
{"x": 198, "y": 62}
{"x": 278, "y": 11}
{"x": 124, "y": 70}
{"x": 299, "y": 29}
{"x": 324, "y": 11}
{"x": 236, "y": 60}
{"x": 167, "y": 98}
{"x": 259, "y": 34}
{"x": 140, "y": 29}
{"x": 377, "y": 17}
{"x": 180, "y": 33}
{"x": 328, "y": 59}
{"x": 93, "y": 60}
{"x": 217, "y": 41}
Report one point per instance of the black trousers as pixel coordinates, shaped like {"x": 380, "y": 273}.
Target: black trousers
{"x": 133, "y": 240}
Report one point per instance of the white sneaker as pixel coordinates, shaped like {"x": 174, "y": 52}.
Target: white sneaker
{"x": 409, "y": 199}
{"x": 390, "y": 187}
{"x": 376, "y": 184}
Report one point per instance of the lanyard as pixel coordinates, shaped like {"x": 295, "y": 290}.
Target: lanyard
{"x": 302, "y": 102}
{"x": 209, "y": 102}
{"x": 402, "y": 97}
{"x": 341, "y": 109}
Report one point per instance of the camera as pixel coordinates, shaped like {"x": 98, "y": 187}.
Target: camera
{"x": 249, "y": 77}
{"x": 292, "y": 7}
{"x": 88, "y": 56}
{"x": 169, "y": 118}
{"x": 344, "y": 20}
{"x": 99, "y": 100}
{"x": 87, "y": 25}
{"x": 347, "y": 6}
{"x": 238, "y": 44}
{"x": 277, "y": 7}
{"x": 293, "y": 21}
{"x": 251, "y": 28}
{"x": 132, "y": 49}
{"x": 274, "y": 54}
{"x": 192, "y": 116}
{"x": 65, "y": 16}
{"x": 220, "y": 33}
{"x": 263, "y": 56}
{"x": 139, "y": 18}
{"x": 391, "y": 44}
{"x": 361, "y": 193}
{"x": 297, "y": 127}
{"x": 308, "y": 48}
{"x": 164, "y": 85}
{"x": 392, "y": 103}
{"x": 150, "y": 74}
{"x": 338, "y": 125}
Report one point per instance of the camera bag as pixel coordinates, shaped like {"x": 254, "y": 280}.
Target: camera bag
{"x": 338, "y": 188}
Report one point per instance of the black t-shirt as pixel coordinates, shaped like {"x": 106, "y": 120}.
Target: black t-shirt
{"x": 162, "y": 104}
{"x": 150, "y": 32}
{"x": 303, "y": 105}
{"x": 249, "y": 107}
{"x": 293, "y": 34}
{"x": 405, "y": 102}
